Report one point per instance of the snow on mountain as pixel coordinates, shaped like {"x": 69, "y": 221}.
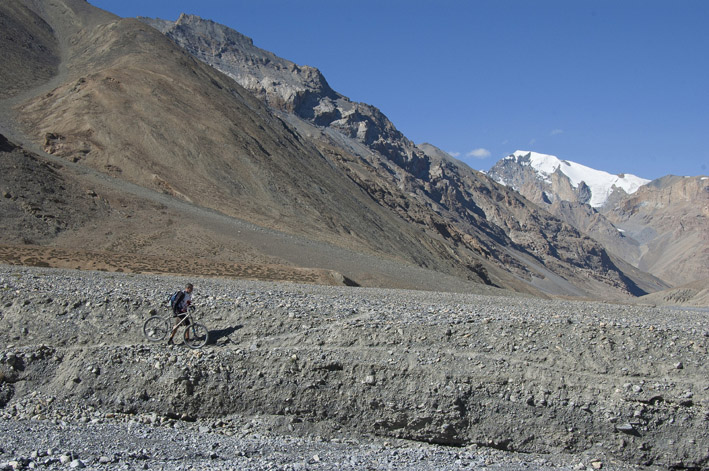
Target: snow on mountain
{"x": 601, "y": 183}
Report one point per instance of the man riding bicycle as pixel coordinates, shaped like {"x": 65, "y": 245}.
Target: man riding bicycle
{"x": 182, "y": 301}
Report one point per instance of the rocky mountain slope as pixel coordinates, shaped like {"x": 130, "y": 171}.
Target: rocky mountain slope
{"x": 661, "y": 227}
{"x": 691, "y": 294}
{"x": 61, "y": 214}
{"x": 669, "y": 217}
{"x": 440, "y": 195}
{"x": 34, "y": 57}
{"x": 140, "y": 110}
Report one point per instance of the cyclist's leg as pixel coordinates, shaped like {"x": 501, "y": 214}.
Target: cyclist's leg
{"x": 188, "y": 322}
{"x": 180, "y": 318}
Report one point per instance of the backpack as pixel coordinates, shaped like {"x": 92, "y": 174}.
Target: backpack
{"x": 175, "y": 300}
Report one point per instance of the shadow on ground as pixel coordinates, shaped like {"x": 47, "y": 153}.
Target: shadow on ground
{"x": 221, "y": 336}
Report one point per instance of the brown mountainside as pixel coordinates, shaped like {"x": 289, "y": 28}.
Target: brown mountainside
{"x": 133, "y": 106}
{"x": 141, "y": 110}
{"x": 669, "y": 217}
{"x": 691, "y": 294}
{"x": 34, "y": 57}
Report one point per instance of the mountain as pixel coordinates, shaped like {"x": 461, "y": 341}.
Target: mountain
{"x": 440, "y": 194}
{"x": 659, "y": 226}
{"x": 669, "y": 217}
{"x": 549, "y": 179}
{"x": 128, "y": 103}
{"x": 285, "y": 172}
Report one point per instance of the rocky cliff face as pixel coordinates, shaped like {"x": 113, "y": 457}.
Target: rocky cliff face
{"x": 517, "y": 173}
{"x": 546, "y": 179}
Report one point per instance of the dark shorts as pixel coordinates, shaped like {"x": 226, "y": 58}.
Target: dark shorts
{"x": 179, "y": 317}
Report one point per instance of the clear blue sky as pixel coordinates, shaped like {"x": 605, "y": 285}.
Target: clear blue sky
{"x": 618, "y": 85}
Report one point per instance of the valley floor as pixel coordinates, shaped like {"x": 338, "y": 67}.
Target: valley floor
{"x": 245, "y": 444}
{"x": 316, "y": 377}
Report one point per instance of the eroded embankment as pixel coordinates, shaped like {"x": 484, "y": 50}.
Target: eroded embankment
{"x": 511, "y": 373}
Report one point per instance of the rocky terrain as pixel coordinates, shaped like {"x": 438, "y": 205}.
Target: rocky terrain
{"x": 61, "y": 214}
{"x": 34, "y": 59}
{"x": 246, "y": 165}
{"x": 571, "y": 383}
{"x": 691, "y": 294}
{"x": 145, "y": 442}
{"x": 239, "y": 178}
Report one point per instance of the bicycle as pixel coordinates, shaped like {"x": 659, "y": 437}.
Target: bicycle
{"x": 157, "y": 327}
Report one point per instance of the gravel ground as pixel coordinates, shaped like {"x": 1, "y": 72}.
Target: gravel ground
{"x": 313, "y": 377}
{"x": 134, "y": 445}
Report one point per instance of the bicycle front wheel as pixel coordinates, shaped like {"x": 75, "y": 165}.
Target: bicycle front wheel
{"x": 156, "y": 328}
{"x": 196, "y": 335}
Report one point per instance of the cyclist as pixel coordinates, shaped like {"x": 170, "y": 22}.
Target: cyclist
{"x": 184, "y": 300}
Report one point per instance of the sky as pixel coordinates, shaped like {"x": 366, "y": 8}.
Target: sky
{"x": 617, "y": 85}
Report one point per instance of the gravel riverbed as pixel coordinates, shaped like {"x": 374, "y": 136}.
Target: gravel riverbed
{"x": 313, "y": 377}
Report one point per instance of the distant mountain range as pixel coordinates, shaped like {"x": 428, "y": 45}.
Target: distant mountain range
{"x": 272, "y": 166}
{"x": 659, "y": 226}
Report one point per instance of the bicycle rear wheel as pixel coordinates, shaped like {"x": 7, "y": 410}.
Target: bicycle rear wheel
{"x": 196, "y": 335}
{"x": 156, "y": 328}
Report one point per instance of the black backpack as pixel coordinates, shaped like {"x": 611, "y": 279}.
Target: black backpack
{"x": 175, "y": 300}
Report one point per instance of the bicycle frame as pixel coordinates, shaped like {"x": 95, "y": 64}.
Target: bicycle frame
{"x": 188, "y": 317}
{"x": 157, "y": 327}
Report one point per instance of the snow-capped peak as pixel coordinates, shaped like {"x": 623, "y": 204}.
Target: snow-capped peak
{"x": 601, "y": 183}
